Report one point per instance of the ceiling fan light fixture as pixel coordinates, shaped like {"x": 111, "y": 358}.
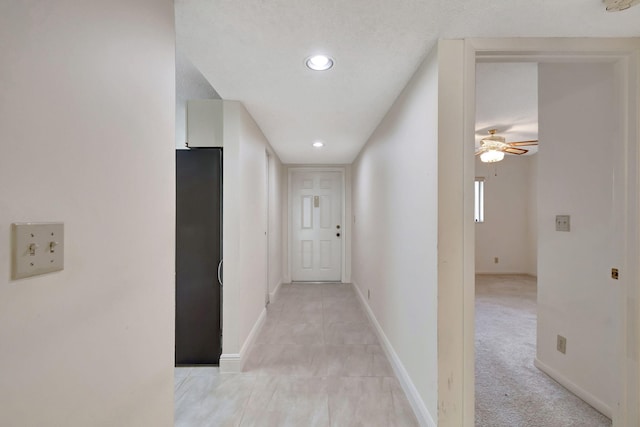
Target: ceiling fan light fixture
{"x": 319, "y": 62}
{"x": 318, "y": 144}
{"x": 619, "y": 5}
{"x": 492, "y": 156}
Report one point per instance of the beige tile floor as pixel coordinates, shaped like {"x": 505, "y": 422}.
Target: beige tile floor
{"x": 316, "y": 362}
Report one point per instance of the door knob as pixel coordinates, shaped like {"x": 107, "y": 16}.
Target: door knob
{"x": 337, "y": 234}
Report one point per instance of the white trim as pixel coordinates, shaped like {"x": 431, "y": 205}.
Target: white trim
{"x": 417, "y": 404}
{"x": 230, "y": 363}
{"x": 267, "y": 225}
{"x": 596, "y": 403}
{"x": 272, "y": 295}
{"x": 504, "y": 273}
{"x": 456, "y": 231}
{"x": 345, "y": 236}
{"x": 469, "y": 242}
{"x": 234, "y": 362}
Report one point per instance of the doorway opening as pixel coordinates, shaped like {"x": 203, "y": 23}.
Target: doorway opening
{"x": 596, "y": 251}
{"x": 509, "y": 386}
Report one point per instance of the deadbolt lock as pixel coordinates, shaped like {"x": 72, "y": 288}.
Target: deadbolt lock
{"x": 338, "y": 227}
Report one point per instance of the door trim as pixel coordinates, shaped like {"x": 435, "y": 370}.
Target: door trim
{"x": 267, "y": 231}
{"x": 345, "y": 229}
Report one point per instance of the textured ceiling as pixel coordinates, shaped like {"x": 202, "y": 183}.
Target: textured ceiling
{"x": 254, "y": 51}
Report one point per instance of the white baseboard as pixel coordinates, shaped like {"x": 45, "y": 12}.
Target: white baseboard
{"x": 230, "y": 363}
{"x": 597, "y": 404}
{"x": 234, "y": 362}
{"x": 272, "y": 295}
{"x": 417, "y": 404}
{"x": 502, "y": 273}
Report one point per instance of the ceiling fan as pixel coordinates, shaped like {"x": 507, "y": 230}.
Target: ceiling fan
{"x": 619, "y": 5}
{"x": 493, "y": 147}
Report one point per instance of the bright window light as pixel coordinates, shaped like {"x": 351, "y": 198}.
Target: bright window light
{"x": 478, "y": 206}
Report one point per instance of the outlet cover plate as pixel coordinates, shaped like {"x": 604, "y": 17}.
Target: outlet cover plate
{"x": 563, "y": 222}
{"x": 37, "y": 248}
{"x": 562, "y": 344}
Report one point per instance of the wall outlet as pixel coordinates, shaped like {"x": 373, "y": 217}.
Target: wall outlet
{"x": 496, "y": 260}
{"x": 563, "y": 222}
{"x": 368, "y": 293}
{"x": 562, "y": 344}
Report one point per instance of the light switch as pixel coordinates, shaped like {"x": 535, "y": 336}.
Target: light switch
{"x": 563, "y": 223}
{"x": 37, "y": 248}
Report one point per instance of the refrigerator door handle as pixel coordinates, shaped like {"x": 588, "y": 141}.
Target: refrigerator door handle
{"x": 219, "y": 272}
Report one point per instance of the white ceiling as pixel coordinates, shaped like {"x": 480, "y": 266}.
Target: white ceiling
{"x": 254, "y": 51}
{"x": 507, "y": 100}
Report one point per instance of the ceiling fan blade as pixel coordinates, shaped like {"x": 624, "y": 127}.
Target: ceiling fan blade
{"x": 479, "y": 152}
{"x": 523, "y": 143}
{"x": 513, "y": 150}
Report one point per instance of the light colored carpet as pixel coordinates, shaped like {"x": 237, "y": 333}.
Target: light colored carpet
{"x": 510, "y": 390}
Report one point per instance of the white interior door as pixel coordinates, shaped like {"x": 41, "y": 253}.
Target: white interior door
{"x": 316, "y": 231}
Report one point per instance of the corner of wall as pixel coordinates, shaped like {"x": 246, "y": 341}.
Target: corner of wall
{"x": 273, "y": 295}
{"x": 583, "y": 394}
{"x": 234, "y": 362}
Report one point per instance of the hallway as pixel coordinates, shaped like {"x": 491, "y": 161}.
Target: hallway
{"x": 316, "y": 362}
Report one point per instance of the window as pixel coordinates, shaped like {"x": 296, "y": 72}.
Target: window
{"x": 478, "y": 206}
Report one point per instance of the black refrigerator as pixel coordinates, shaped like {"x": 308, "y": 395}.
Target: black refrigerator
{"x": 198, "y": 256}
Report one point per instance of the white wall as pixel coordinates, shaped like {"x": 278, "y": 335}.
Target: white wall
{"x": 580, "y": 142}
{"x": 87, "y": 127}
{"x": 394, "y": 252}
{"x": 244, "y": 231}
{"x": 506, "y": 232}
{"x": 190, "y": 84}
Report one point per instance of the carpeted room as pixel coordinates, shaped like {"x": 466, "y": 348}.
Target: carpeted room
{"x": 534, "y": 283}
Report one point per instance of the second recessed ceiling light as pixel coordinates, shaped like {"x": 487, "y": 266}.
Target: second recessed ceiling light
{"x": 318, "y": 144}
{"x": 319, "y": 62}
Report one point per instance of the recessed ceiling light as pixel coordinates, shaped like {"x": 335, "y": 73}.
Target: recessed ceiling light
{"x": 319, "y": 62}
{"x": 318, "y": 144}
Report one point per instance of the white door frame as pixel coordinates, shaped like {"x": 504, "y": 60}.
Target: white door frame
{"x": 627, "y": 52}
{"x": 267, "y": 231}
{"x": 345, "y": 229}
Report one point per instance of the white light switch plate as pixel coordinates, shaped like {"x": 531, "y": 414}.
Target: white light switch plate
{"x": 38, "y": 248}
